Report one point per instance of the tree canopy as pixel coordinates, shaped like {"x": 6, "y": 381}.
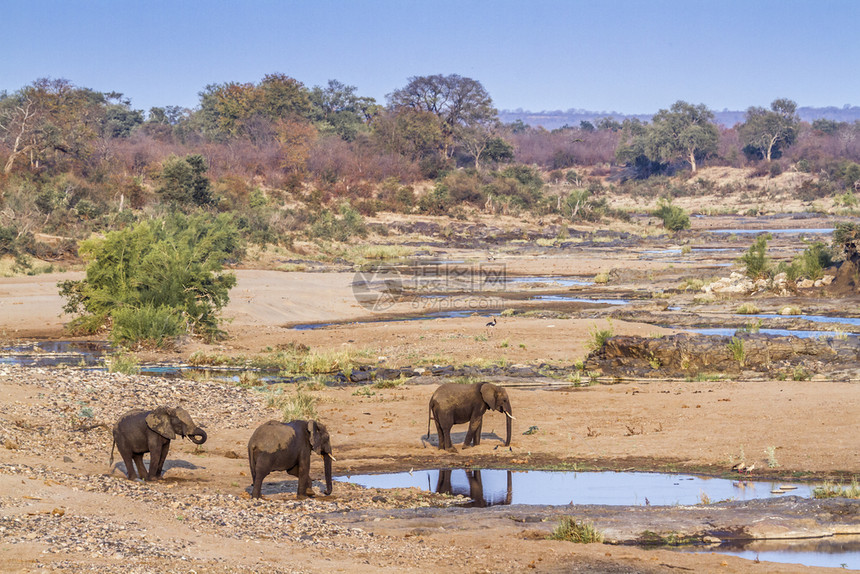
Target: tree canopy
{"x": 767, "y": 133}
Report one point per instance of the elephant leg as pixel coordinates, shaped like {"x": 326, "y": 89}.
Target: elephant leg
{"x": 440, "y": 435}
{"x": 129, "y": 464}
{"x": 159, "y": 471}
{"x": 474, "y": 428}
{"x": 476, "y": 439}
{"x": 304, "y": 488}
{"x": 256, "y": 491}
{"x": 141, "y": 469}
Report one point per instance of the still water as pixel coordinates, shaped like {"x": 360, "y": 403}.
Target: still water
{"x": 492, "y": 487}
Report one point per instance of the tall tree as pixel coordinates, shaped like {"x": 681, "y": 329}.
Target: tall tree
{"x": 18, "y": 123}
{"x": 683, "y": 132}
{"x": 766, "y": 133}
{"x": 337, "y": 109}
{"x": 457, "y": 101}
{"x": 247, "y": 110}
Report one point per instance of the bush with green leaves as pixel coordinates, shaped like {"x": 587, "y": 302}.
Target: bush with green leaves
{"x": 329, "y": 226}
{"x": 674, "y": 217}
{"x": 846, "y": 238}
{"x": 755, "y": 260}
{"x": 156, "y": 280}
{"x": 183, "y": 181}
{"x": 809, "y": 264}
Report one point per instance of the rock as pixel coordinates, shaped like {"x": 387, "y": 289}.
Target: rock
{"x": 805, "y": 283}
{"x": 231, "y": 454}
{"x": 68, "y": 459}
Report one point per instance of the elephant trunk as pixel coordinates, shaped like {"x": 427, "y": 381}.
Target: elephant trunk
{"x": 327, "y": 458}
{"x": 198, "y": 436}
{"x": 508, "y": 420}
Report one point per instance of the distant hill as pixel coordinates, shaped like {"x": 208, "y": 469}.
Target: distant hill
{"x": 558, "y": 118}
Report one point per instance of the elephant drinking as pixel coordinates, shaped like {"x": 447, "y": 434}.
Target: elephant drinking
{"x": 287, "y": 446}
{"x": 453, "y": 404}
{"x": 140, "y": 431}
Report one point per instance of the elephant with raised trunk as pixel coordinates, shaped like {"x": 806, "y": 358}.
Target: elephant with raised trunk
{"x": 453, "y": 404}
{"x": 139, "y": 431}
{"x": 287, "y": 446}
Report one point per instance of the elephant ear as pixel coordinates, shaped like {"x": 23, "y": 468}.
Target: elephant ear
{"x": 312, "y": 430}
{"x": 489, "y": 394}
{"x": 159, "y": 421}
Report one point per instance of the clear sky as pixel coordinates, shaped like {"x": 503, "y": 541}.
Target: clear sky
{"x": 627, "y": 56}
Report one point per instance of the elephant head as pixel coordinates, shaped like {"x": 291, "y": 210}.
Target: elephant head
{"x": 321, "y": 444}
{"x": 169, "y": 422}
{"x": 496, "y": 399}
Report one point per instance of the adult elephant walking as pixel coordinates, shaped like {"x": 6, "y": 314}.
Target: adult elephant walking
{"x": 453, "y": 404}
{"x": 139, "y": 431}
{"x": 287, "y": 446}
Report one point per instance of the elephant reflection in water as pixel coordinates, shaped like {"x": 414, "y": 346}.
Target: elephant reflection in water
{"x": 476, "y": 488}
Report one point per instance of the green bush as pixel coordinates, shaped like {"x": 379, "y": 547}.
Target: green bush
{"x": 348, "y": 224}
{"x": 846, "y": 238}
{"x": 170, "y": 264}
{"x": 755, "y": 260}
{"x": 147, "y": 325}
{"x": 674, "y": 218}
{"x": 812, "y": 262}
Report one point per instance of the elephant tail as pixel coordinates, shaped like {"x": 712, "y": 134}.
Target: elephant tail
{"x": 112, "y": 449}
{"x": 429, "y": 418}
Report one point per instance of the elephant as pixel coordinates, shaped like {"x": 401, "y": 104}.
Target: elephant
{"x": 287, "y": 446}
{"x": 139, "y": 431}
{"x": 453, "y": 404}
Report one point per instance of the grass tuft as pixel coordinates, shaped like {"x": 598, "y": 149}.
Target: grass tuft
{"x": 572, "y": 530}
{"x": 832, "y": 490}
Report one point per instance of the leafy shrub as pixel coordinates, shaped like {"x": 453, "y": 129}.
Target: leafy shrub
{"x": 814, "y": 259}
{"x": 599, "y": 338}
{"x": 172, "y": 264}
{"x": 338, "y": 228}
{"x": 147, "y": 325}
{"x": 846, "y": 238}
{"x": 182, "y": 181}
{"x": 674, "y": 218}
{"x": 755, "y": 260}
{"x": 736, "y": 347}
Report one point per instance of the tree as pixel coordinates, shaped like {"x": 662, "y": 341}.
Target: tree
{"x": 482, "y": 141}
{"x": 183, "y": 181}
{"x": 683, "y": 132}
{"x": 336, "y": 109}
{"x": 455, "y": 100}
{"x": 246, "y": 110}
{"x": 168, "y": 269}
{"x": 18, "y": 124}
{"x": 766, "y": 133}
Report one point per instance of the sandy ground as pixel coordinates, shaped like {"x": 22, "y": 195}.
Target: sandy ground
{"x": 811, "y": 428}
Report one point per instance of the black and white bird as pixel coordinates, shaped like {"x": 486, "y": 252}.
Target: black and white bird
{"x": 492, "y": 323}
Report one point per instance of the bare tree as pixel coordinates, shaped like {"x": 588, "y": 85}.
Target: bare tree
{"x": 17, "y": 122}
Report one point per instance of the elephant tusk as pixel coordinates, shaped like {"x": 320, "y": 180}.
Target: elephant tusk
{"x": 331, "y": 457}
{"x": 509, "y": 415}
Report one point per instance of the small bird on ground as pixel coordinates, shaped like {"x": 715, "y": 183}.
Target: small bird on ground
{"x": 492, "y": 323}
{"x": 739, "y": 467}
{"x": 750, "y": 468}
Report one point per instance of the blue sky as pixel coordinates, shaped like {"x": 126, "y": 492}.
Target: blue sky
{"x": 602, "y": 55}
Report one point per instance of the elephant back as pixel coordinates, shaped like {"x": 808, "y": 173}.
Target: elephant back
{"x": 271, "y": 436}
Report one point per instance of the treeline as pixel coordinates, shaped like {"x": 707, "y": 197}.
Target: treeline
{"x": 285, "y": 158}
